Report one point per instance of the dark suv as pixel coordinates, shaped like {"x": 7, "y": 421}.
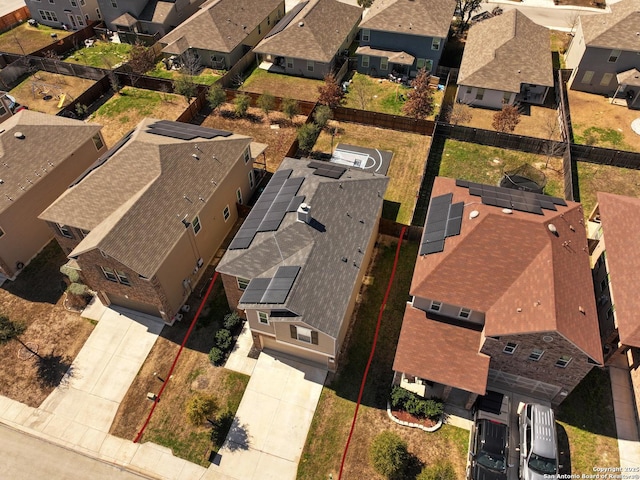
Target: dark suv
{"x": 489, "y": 451}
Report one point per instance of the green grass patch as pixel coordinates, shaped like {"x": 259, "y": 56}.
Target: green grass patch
{"x": 101, "y": 54}
{"x": 206, "y": 77}
{"x": 299, "y": 88}
{"x": 143, "y": 101}
{"x": 601, "y": 137}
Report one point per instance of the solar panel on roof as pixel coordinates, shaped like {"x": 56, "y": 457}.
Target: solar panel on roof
{"x": 286, "y": 20}
{"x": 184, "y": 131}
{"x": 255, "y": 290}
{"x": 516, "y": 199}
{"x": 295, "y": 203}
{"x": 434, "y": 247}
{"x": 169, "y": 133}
{"x": 462, "y": 183}
{"x": 271, "y": 290}
{"x": 317, "y": 164}
{"x": 443, "y": 220}
{"x": 330, "y": 172}
{"x": 287, "y": 272}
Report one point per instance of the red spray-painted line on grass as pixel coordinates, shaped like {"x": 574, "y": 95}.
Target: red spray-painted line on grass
{"x": 373, "y": 349}
{"x": 175, "y": 360}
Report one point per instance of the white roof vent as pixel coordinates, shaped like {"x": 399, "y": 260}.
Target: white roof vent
{"x": 19, "y": 135}
{"x": 507, "y": 211}
{"x": 552, "y": 228}
{"x": 304, "y": 213}
{"x": 301, "y": 24}
{"x": 474, "y": 214}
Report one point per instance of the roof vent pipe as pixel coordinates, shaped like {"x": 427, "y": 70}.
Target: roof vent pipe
{"x": 19, "y": 135}
{"x": 552, "y": 228}
{"x": 304, "y": 213}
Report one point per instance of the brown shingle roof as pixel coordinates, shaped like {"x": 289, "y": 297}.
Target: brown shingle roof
{"x": 325, "y": 25}
{"x": 441, "y": 352}
{"x": 221, "y": 26}
{"x": 616, "y": 30}
{"x": 429, "y": 18}
{"x": 620, "y": 217}
{"x": 506, "y": 51}
{"x": 504, "y": 262}
{"x": 47, "y": 141}
{"x": 401, "y": 58}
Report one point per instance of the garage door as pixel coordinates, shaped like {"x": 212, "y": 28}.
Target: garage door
{"x": 122, "y": 301}
{"x": 521, "y": 384}
{"x": 271, "y": 344}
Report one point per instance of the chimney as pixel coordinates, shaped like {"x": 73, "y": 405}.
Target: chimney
{"x": 304, "y": 213}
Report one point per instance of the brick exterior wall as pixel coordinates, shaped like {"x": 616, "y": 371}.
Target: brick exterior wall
{"x": 233, "y": 293}
{"x": 67, "y": 244}
{"x": 543, "y": 370}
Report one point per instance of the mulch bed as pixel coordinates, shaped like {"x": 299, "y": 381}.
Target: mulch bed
{"x": 407, "y": 417}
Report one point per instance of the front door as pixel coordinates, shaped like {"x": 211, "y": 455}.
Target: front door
{"x": 72, "y": 21}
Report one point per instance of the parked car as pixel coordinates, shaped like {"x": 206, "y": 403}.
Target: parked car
{"x": 538, "y": 442}
{"x": 489, "y": 451}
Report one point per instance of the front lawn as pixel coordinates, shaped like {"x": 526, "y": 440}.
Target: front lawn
{"x": 101, "y": 55}
{"x": 207, "y": 76}
{"x": 285, "y": 86}
{"x": 26, "y": 39}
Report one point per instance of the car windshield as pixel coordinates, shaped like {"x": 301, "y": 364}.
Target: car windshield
{"x": 492, "y": 462}
{"x": 542, "y": 465}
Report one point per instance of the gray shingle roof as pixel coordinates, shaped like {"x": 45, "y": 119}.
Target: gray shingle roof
{"x": 429, "y": 18}
{"x": 134, "y": 202}
{"x": 221, "y": 26}
{"x": 126, "y": 20}
{"x": 156, "y": 11}
{"x": 325, "y": 25}
{"x": 616, "y": 30}
{"x": 322, "y": 290}
{"x": 506, "y": 51}
{"x": 48, "y": 141}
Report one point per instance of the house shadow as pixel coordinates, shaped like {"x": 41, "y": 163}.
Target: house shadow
{"x": 564, "y": 452}
{"x": 390, "y": 210}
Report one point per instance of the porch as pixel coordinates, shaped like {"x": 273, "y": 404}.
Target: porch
{"x": 628, "y": 92}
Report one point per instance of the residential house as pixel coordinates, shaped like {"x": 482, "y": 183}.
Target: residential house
{"x": 295, "y": 267}
{"x": 146, "y": 16}
{"x": 40, "y": 155}
{"x": 222, "y": 32}
{"x": 309, "y": 38}
{"x": 502, "y": 297}
{"x": 143, "y": 223}
{"x": 7, "y": 105}
{"x": 616, "y": 272}
{"x": 506, "y": 60}
{"x": 605, "y": 53}
{"x": 73, "y": 14}
{"x": 401, "y": 37}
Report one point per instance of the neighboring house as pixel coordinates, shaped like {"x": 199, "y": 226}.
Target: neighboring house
{"x": 40, "y": 155}
{"x": 403, "y": 36}
{"x": 502, "y": 297}
{"x": 146, "y": 16}
{"x": 605, "y": 53}
{"x": 296, "y": 266}
{"x": 7, "y": 104}
{"x": 144, "y": 222}
{"x": 309, "y": 38}
{"x": 222, "y": 32}
{"x": 506, "y": 60}
{"x": 74, "y": 14}
{"x": 616, "y": 273}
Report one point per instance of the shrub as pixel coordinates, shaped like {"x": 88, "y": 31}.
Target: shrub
{"x": 290, "y": 108}
{"x": 71, "y": 273}
{"x": 241, "y": 103}
{"x": 223, "y": 339}
{"x": 232, "y": 320}
{"x": 77, "y": 289}
{"x": 77, "y": 296}
{"x": 307, "y": 136}
{"x": 322, "y": 115}
{"x": 439, "y": 471}
{"x": 417, "y": 406}
{"x": 199, "y": 407}
{"x": 216, "y": 356}
{"x": 266, "y": 101}
{"x": 388, "y": 455}
{"x": 399, "y": 397}
{"x": 216, "y": 96}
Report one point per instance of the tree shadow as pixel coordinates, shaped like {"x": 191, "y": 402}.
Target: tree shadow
{"x": 226, "y": 426}
{"x": 53, "y": 370}
{"x": 413, "y": 467}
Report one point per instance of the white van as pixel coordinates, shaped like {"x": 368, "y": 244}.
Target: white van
{"x": 538, "y": 442}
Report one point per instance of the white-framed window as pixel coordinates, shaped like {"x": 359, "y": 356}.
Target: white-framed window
{"x": 435, "y": 306}
{"x": 48, "y": 16}
{"x": 80, "y": 21}
{"x": 464, "y": 313}
{"x": 480, "y": 94}
{"x": 384, "y": 63}
{"x": 263, "y": 318}
{"x": 226, "y": 213}
{"x": 289, "y": 62}
{"x": 536, "y": 354}
{"x": 52, "y": 2}
{"x": 251, "y": 179}
{"x": 420, "y": 63}
{"x": 247, "y": 156}
{"x": 563, "y": 361}
{"x": 109, "y": 274}
{"x": 86, "y": 17}
{"x": 243, "y": 283}
{"x": 365, "y": 61}
{"x": 97, "y": 141}
{"x": 303, "y": 334}
{"x": 268, "y": 19}
{"x": 98, "y": 14}
{"x": 365, "y": 36}
{"x": 83, "y": 2}
{"x": 73, "y": 3}
{"x": 239, "y": 196}
{"x": 122, "y": 278}
{"x": 114, "y": 4}
{"x": 64, "y": 230}
{"x": 310, "y": 65}
{"x": 606, "y": 79}
{"x": 469, "y": 90}
{"x": 435, "y": 44}
{"x": 510, "y": 348}
{"x": 196, "y": 225}
{"x": 614, "y": 56}
{"x": 104, "y": 254}
{"x": 588, "y": 75}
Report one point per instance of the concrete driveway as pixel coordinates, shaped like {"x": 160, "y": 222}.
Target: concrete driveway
{"x": 271, "y": 425}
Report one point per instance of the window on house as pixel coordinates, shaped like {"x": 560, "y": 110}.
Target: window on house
{"x": 563, "y": 361}
{"x": 310, "y": 65}
{"x": 239, "y": 196}
{"x": 588, "y": 75}
{"x": 251, "y": 179}
{"x": 611, "y": 311}
{"x": 226, "y": 213}
{"x": 536, "y": 354}
{"x": 259, "y": 29}
{"x": 80, "y": 21}
{"x": 506, "y": 97}
{"x": 464, "y": 313}
{"x": 247, "y": 156}
{"x": 604, "y": 283}
{"x": 435, "y": 306}
{"x": 104, "y": 254}
{"x": 83, "y": 2}
{"x": 480, "y": 94}
{"x": 606, "y": 79}
{"x": 365, "y": 61}
{"x": 435, "y": 44}
{"x": 99, "y": 14}
{"x": 74, "y": 3}
{"x": 243, "y": 283}
{"x": 52, "y": 2}
{"x": 420, "y": 63}
{"x": 289, "y": 62}
{"x": 469, "y": 90}
{"x": 263, "y": 318}
{"x": 365, "y": 35}
{"x": 122, "y": 278}
{"x": 97, "y": 141}
{"x": 303, "y": 334}
{"x": 269, "y": 20}
{"x": 114, "y": 4}
{"x": 196, "y": 225}
{"x": 64, "y": 230}
{"x": 384, "y": 63}
{"x": 510, "y": 348}
{"x": 109, "y": 274}
{"x": 614, "y": 55}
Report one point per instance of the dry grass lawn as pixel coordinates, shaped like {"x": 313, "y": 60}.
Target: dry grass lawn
{"x": 597, "y": 122}
{"x": 594, "y": 178}
{"x": 32, "y": 91}
{"x": 122, "y": 112}
{"x": 25, "y": 39}
{"x": 35, "y": 298}
{"x": 258, "y": 126}
{"x": 409, "y": 155}
{"x": 542, "y": 122}
{"x": 285, "y": 86}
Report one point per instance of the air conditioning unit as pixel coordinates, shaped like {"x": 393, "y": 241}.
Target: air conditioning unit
{"x": 185, "y": 308}
{"x": 178, "y": 317}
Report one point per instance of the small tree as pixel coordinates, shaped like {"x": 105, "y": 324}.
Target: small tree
{"x": 266, "y": 102}
{"x": 290, "y": 108}
{"x": 465, "y": 10}
{"x": 185, "y": 86}
{"x": 330, "y": 92}
{"x": 190, "y": 63}
{"x": 241, "y": 104}
{"x": 223, "y": 339}
{"x": 322, "y": 115}
{"x": 307, "y": 135}
{"x": 506, "y": 119}
{"x": 10, "y": 330}
{"x": 389, "y": 456}
{"x": 361, "y": 88}
{"x": 199, "y": 407}
{"x": 460, "y": 113}
{"x": 114, "y": 82}
{"x": 141, "y": 60}
{"x": 216, "y": 356}
{"x": 419, "y": 103}
{"x": 231, "y": 320}
{"x": 216, "y": 96}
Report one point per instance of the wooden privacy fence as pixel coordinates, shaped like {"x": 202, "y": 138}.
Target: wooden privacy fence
{"x": 66, "y": 44}
{"x": 384, "y": 120}
{"x": 304, "y": 107}
{"x": 238, "y": 68}
{"x": 10, "y": 20}
{"x": 605, "y": 156}
{"x": 389, "y": 227}
{"x": 563, "y": 108}
{"x": 89, "y": 96}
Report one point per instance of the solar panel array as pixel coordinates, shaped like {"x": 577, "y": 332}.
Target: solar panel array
{"x": 184, "y": 131}
{"x": 513, "y": 199}
{"x": 444, "y": 219}
{"x": 271, "y": 290}
{"x": 278, "y": 198}
{"x": 327, "y": 169}
{"x": 286, "y": 20}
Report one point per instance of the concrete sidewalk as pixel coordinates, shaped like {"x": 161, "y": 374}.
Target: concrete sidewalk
{"x": 624, "y": 411}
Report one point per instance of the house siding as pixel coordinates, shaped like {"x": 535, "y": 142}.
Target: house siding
{"x": 576, "y": 48}
{"x": 597, "y": 60}
{"x": 448, "y": 310}
{"x": 491, "y": 99}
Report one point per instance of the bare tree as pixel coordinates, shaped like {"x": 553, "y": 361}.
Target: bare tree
{"x": 572, "y": 21}
{"x": 141, "y": 60}
{"x": 362, "y": 90}
{"x": 465, "y": 10}
{"x": 190, "y": 63}
{"x": 460, "y": 113}
{"x": 507, "y": 119}
{"x": 554, "y": 147}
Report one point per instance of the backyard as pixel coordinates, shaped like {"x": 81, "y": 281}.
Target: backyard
{"x": 25, "y": 39}
{"x": 559, "y": 43}
{"x": 101, "y": 54}
{"x": 330, "y": 427}
{"x": 122, "y": 112}
{"x": 57, "y": 335}
{"x": 597, "y": 122}
{"x": 285, "y": 86}
{"x": 206, "y": 76}
{"x": 409, "y": 154}
{"x": 43, "y": 91}
{"x": 593, "y": 178}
